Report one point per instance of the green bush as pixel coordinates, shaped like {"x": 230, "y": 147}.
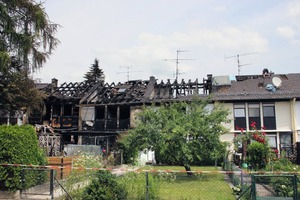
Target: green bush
{"x": 105, "y": 187}
{"x": 19, "y": 145}
{"x": 258, "y": 154}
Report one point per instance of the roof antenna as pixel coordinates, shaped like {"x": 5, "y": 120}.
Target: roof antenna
{"x": 177, "y": 59}
{"x": 127, "y": 72}
{"x": 238, "y": 60}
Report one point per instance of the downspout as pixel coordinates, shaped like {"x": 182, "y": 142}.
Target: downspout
{"x": 294, "y": 125}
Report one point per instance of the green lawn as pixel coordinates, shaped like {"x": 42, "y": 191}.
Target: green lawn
{"x": 196, "y": 187}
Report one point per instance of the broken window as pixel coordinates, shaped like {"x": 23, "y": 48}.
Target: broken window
{"x": 124, "y": 121}
{"x": 100, "y": 112}
{"x": 87, "y": 113}
{"x": 67, "y": 109}
{"x": 56, "y": 110}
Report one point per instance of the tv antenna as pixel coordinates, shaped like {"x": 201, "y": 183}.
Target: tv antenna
{"x": 177, "y": 59}
{"x": 238, "y": 60}
{"x": 127, "y": 72}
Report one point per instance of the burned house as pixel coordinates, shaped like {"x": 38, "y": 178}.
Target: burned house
{"x": 110, "y": 109}
{"x": 60, "y": 114}
{"x": 96, "y": 113}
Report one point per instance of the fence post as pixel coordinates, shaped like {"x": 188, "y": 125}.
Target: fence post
{"x": 242, "y": 180}
{"x": 295, "y": 187}
{"x": 253, "y": 187}
{"x": 147, "y": 185}
{"x": 52, "y": 183}
{"x": 22, "y": 181}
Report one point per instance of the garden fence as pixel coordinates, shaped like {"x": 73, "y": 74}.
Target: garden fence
{"x": 172, "y": 184}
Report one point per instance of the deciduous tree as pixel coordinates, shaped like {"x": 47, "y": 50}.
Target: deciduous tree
{"x": 180, "y": 133}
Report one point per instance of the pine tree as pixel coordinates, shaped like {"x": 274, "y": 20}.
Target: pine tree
{"x": 95, "y": 74}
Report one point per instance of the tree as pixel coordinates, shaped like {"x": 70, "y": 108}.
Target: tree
{"x": 26, "y": 41}
{"x": 25, "y": 34}
{"x": 180, "y": 133}
{"x": 95, "y": 74}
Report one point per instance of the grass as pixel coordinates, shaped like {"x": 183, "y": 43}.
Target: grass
{"x": 179, "y": 185}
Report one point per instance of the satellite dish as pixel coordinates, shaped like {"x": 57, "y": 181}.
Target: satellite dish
{"x": 276, "y": 81}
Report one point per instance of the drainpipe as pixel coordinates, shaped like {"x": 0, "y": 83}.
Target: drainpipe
{"x": 294, "y": 125}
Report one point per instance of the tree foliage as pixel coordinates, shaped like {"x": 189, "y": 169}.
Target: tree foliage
{"x": 95, "y": 74}
{"x": 27, "y": 38}
{"x": 25, "y": 33}
{"x": 18, "y": 145}
{"x": 180, "y": 133}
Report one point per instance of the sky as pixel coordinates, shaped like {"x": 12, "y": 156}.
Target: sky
{"x": 136, "y": 39}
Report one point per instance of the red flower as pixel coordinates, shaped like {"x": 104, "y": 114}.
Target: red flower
{"x": 255, "y": 136}
{"x": 275, "y": 151}
{"x": 253, "y": 124}
{"x": 242, "y": 130}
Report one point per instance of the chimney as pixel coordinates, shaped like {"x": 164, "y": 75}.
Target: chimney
{"x": 54, "y": 83}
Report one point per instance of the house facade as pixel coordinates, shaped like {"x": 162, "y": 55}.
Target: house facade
{"x": 270, "y": 101}
{"x": 96, "y": 114}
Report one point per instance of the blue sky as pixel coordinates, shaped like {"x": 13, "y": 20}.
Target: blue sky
{"x": 138, "y": 35}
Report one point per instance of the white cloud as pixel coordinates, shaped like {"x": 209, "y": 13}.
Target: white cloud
{"x": 142, "y": 34}
{"x": 294, "y": 9}
{"x": 286, "y": 32}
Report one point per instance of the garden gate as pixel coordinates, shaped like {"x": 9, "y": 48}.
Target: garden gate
{"x": 279, "y": 187}
{"x": 37, "y": 182}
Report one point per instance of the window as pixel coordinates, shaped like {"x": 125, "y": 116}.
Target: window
{"x": 67, "y": 109}
{"x": 272, "y": 140}
{"x": 254, "y": 115}
{"x": 269, "y": 116}
{"x": 100, "y": 112}
{"x": 239, "y": 116}
{"x": 262, "y": 114}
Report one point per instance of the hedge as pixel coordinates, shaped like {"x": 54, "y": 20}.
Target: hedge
{"x": 19, "y": 145}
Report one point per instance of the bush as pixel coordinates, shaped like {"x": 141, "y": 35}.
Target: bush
{"x": 19, "y": 145}
{"x": 105, "y": 187}
{"x": 258, "y": 154}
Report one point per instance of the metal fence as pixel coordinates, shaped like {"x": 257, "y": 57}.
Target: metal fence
{"x": 37, "y": 183}
{"x": 169, "y": 184}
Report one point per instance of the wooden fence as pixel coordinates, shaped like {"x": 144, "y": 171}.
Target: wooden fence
{"x": 61, "y": 165}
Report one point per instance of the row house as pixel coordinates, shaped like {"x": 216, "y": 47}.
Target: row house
{"x": 96, "y": 114}
{"x": 270, "y": 100}
{"x": 111, "y": 109}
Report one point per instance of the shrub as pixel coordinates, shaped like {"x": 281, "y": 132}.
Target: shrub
{"x": 258, "y": 154}
{"x": 105, "y": 187}
{"x": 19, "y": 145}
